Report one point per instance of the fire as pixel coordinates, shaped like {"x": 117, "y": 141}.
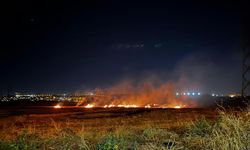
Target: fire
{"x": 120, "y": 105}
{"x": 109, "y": 106}
{"x": 89, "y": 106}
{"x": 128, "y": 106}
{"x": 138, "y": 95}
{"x": 57, "y": 106}
{"x": 137, "y": 106}
{"x": 177, "y": 107}
{"x": 180, "y": 106}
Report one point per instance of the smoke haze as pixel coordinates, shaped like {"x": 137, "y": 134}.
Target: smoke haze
{"x": 198, "y": 72}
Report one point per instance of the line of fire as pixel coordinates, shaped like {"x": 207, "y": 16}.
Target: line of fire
{"x": 154, "y": 98}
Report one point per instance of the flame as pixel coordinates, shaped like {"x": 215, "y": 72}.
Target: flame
{"x": 146, "y": 106}
{"x": 177, "y": 107}
{"x": 128, "y": 106}
{"x": 89, "y": 106}
{"x": 143, "y": 95}
{"x": 120, "y": 105}
{"x": 109, "y": 106}
{"x": 57, "y": 106}
{"x": 133, "y": 106}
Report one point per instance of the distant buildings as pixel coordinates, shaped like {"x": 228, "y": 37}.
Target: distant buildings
{"x": 76, "y": 97}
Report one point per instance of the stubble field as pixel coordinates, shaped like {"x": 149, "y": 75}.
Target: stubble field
{"x": 123, "y": 128}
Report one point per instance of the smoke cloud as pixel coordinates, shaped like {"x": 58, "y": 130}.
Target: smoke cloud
{"x": 209, "y": 73}
{"x": 198, "y": 72}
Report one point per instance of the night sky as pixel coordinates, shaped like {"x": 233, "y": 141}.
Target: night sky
{"x": 66, "y": 46}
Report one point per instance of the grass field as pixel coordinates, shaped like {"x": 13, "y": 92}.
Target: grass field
{"x": 124, "y": 129}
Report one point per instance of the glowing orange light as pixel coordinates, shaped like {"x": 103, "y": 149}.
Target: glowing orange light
{"x": 177, "y": 107}
{"x": 130, "y": 106}
{"x": 111, "y": 105}
{"x": 57, "y": 106}
{"x": 89, "y": 106}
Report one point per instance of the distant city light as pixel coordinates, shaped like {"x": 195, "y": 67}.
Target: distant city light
{"x": 188, "y": 93}
{"x": 232, "y": 95}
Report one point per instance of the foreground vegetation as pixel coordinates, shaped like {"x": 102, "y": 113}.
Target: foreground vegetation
{"x": 156, "y": 130}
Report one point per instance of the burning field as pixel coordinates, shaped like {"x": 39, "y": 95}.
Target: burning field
{"x": 125, "y": 117}
{"x": 145, "y": 95}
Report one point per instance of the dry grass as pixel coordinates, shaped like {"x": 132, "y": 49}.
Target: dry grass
{"x": 147, "y": 130}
